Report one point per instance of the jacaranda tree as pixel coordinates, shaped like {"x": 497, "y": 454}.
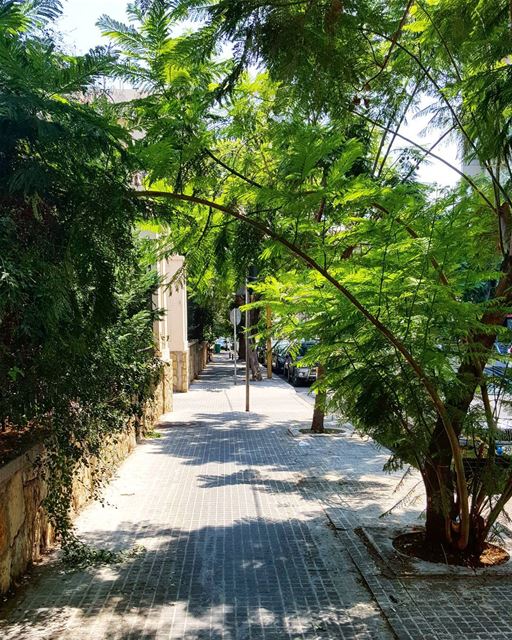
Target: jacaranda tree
{"x": 407, "y": 287}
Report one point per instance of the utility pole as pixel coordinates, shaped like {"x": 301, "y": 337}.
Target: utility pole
{"x": 247, "y": 387}
{"x": 235, "y": 354}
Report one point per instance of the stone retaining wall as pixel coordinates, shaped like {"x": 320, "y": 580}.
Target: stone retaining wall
{"x": 180, "y": 370}
{"x": 25, "y": 533}
{"x": 162, "y": 401}
{"x": 187, "y": 365}
{"x": 198, "y": 358}
{"x": 24, "y": 529}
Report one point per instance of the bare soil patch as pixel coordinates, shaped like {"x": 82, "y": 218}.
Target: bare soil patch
{"x": 326, "y": 432}
{"x": 412, "y": 544}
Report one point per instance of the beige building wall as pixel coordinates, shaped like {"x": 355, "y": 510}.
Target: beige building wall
{"x": 171, "y": 331}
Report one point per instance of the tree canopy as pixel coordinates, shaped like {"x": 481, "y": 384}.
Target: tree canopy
{"x": 271, "y": 134}
{"x": 289, "y": 117}
{"x": 76, "y": 341}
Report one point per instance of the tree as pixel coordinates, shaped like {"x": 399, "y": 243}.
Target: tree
{"x": 76, "y": 340}
{"x": 390, "y": 278}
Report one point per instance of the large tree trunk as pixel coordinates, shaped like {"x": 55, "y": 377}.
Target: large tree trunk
{"x": 439, "y": 488}
{"x": 442, "y": 509}
{"x": 241, "y": 344}
{"x": 254, "y": 316}
{"x": 317, "y": 425}
{"x": 254, "y": 365}
{"x": 441, "y": 527}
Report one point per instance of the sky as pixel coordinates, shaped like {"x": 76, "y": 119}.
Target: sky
{"x": 78, "y": 23}
{"x": 80, "y": 33}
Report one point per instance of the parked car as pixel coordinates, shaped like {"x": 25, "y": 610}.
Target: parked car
{"x": 261, "y": 353}
{"x": 500, "y": 367}
{"x": 503, "y": 348}
{"x": 295, "y": 371}
{"x": 279, "y": 354}
{"x": 261, "y": 349}
{"x": 501, "y": 364}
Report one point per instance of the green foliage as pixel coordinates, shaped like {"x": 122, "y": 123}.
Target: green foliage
{"x": 406, "y": 286}
{"x": 79, "y": 556}
{"x": 76, "y": 341}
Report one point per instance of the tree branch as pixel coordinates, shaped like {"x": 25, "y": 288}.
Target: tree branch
{"x": 233, "y": 171}
{"x": 399, "y": 124}
{"x": 431, "y": 148}
{"x": 413, "y": 234}
{"x": 429, "y": 387}
{"x": 461, "y": 127}
{"x": 429, "y": 153}
{"x": 394, "y": 40}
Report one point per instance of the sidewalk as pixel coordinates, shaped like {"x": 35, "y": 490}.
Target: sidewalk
{"x": 250, "y": 534}
{"x": 234, "y": 547}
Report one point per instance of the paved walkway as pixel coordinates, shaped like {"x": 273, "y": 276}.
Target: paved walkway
{"x": 236, "y": 542}
{"x": 233, "y": 516}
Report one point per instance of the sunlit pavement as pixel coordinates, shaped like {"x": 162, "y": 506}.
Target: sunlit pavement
{"x": 235, "y": 546}
{"x": 235, "y": 522}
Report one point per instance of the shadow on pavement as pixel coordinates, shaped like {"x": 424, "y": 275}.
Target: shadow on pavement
{"x": 255, "y": 579}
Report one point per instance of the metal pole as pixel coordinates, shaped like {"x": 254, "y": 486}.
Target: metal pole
{"x": 246, "y": 349}
{"x": 234, "y": 344}
{"x": 269, "y": 343}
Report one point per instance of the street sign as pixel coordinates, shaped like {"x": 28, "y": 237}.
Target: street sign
{"x": 235, "y": 316}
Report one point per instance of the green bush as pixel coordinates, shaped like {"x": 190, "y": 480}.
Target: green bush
{"x": 76, "y": 342}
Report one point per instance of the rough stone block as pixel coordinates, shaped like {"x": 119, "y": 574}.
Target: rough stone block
{"x": 15, "y": 501}
{"x": 21, "y": 552}
{"x": 5, "y": 572}
{"x": 4, "y": 528}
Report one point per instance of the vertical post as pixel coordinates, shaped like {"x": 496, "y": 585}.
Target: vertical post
{"x": 269, "y": 343}
{"x": 246, "y": 349}
{"x": 235, "y": 355}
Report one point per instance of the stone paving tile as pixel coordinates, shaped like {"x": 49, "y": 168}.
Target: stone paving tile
{"x": 440, "y": 608}
{"x": 236, "y": 542}
{"x": 232, "y": 512}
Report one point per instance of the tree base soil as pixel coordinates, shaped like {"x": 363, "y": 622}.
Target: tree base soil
{"x": 413, "y": 545}
{"x": 326, "y": 432}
